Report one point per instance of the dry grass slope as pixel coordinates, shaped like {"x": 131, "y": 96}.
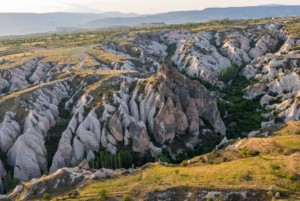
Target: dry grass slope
{"x": 275, "y": 162}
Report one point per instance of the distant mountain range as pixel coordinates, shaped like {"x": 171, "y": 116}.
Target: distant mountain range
{"x": 26, "y": 23}
{"x": 203, "y": 15}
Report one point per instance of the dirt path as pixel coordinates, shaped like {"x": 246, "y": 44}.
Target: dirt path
{"x": 84, "y": 55}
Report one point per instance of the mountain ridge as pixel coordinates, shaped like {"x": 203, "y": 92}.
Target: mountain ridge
{"x": 28, "y": 23}
{"x": 202, "y": 15}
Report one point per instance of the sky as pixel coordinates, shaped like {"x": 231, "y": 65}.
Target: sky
{"x": 127, "y": 6}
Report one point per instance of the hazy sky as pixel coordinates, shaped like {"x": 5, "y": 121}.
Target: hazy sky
{"x": 137, "y": 6}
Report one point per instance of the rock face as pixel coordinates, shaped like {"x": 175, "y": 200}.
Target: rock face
{"x": 170, "y": 106}
{"x": 196, "y": 102}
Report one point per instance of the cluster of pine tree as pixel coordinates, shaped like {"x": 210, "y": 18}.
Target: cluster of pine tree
{"x": 105, "y": 159}
{"x": 9, "y": 182}
{"x": 229, "y": 73}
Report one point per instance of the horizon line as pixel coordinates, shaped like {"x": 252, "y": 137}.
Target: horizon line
{"x": 141, "y": 14}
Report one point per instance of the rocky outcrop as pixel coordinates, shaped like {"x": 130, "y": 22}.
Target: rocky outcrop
{"x": 170, "y": 105}
{"x": 41, "y": 70}
{"x": 65, "y": 152}
{"x": 267, "y": 43}
{"x": 194, "y": 99}
{"x": 9, "y": 131}
{"x": 277, "y": 84}
{"x": 236, "y": 48}
{"x": 140, "y": 138}
{"x": 205, "y": 194}
{"x": 28, "y": 155}
{"x": 20, "y": 77}
{"x": 164, "y": 122}
{"x": 207, "y": 54}
{"x": 66, "y": 178}
{"x": 199, "y": 58}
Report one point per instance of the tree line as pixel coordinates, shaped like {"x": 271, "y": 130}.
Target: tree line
{"x": 105, "y": 159}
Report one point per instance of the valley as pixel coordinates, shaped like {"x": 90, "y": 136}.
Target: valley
{"x": 202, "y": 110}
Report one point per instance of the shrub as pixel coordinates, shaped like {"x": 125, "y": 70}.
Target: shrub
{"x": 126, "y": 198}
{"x": 275, "y": 167}
{"x": 34, "y": 191}
{"x": 279, "y": 119}
{"x": 252, "y": 44}
{"x": 102, "y": 195}
{"x": 5, "y": 90}
{"x": 280, "y": 150}
{"x": 176, "y": 171}
{"x": 9, "y": 182}
{"x": 297, "y": 132}
{"x": 254, "y": 153}
{"x": 246, "y": 177}
{"x": 184, "y": 163}
{"x": 105, "y": 88}
{"x": 46, "y": 196}
{"x": 162, "y": 158}
{"x": 229, "y": 73}
{"x": 292, "y": 177}
{"x": 87, "y": 109}
{"x": 246, "y": 153}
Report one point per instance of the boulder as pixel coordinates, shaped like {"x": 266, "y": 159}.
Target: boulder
{"x": 164, "y": 123}
{"x": 139, "y": 136}
{"x": 116, "y": 127}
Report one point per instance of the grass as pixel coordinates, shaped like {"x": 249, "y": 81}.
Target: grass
{"x": 250, "y": 173}
{"x": 293, "y": 27}
{"x": 58, "y": 55}
{"x": 99, "y": 54}
{"x": 62, "y": 56}
{"x": 119, "y": 185}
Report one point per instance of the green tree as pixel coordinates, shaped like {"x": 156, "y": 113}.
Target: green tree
{"x": 46, "y": 196}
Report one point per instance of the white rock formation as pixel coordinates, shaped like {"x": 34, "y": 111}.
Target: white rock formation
{"x": 28, "y": 154}
{"x": 9, "y": 131}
